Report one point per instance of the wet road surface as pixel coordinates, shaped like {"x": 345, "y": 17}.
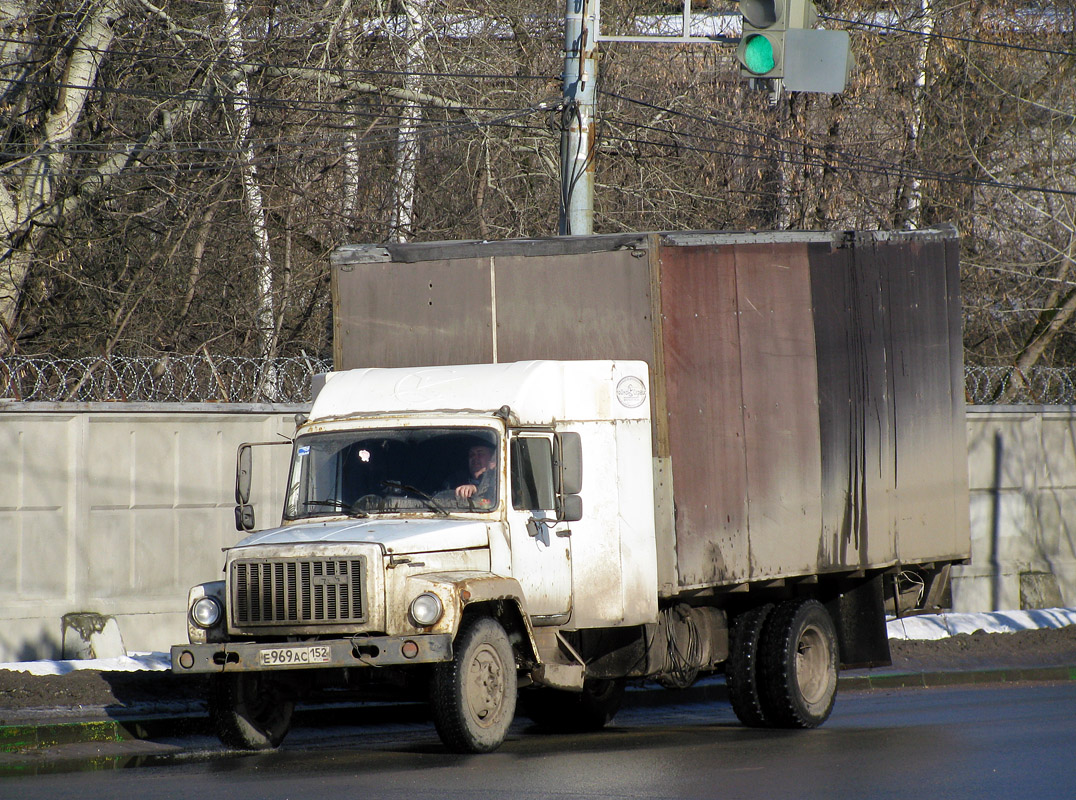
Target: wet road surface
{"x": 975, "y": 742}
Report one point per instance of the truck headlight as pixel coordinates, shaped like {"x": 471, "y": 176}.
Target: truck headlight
{"x": 206, "y": 611}
{"x": 426, "y": 609}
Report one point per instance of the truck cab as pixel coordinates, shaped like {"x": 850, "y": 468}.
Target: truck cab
{"x": 432, "y": 515}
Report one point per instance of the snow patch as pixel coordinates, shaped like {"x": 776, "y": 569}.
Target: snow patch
{"x": 132, "y": 662}
{"x": 941, "y": 626}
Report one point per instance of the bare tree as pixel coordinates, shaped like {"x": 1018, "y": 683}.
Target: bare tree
{"x": 174, "y": 175}
{"x": 407, "y": 138}
{"x": 32, "y": 198}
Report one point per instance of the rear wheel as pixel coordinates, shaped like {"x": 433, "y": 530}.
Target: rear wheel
{"x": 798, "y": 658}
{"x": 474, "y": 695}
{"x": 561, "y": 711}
{"x": 742, "y": 668}
{"x": 250, "y": 710}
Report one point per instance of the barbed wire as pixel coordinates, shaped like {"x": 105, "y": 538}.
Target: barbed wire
{"x": 1039, "y": 386}
{"x": 238, "y": 379}
{"x": 169, "y": 379}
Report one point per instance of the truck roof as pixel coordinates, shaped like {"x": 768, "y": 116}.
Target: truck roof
{"x": 537, "y": 392}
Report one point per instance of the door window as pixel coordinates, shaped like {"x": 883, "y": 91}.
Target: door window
{"x": 532, "y": 473}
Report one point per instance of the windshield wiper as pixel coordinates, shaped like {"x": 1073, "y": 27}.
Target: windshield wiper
{"x": 433, "y": 504}
{"x": 338, "y": 505}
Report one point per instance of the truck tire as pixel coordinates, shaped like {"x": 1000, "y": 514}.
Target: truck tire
{"x": 742, "y": 668}
{"x": 798, "y": 660}
{"x": 474, "y": 696}
{"x": 560, "y": 711}
{"x": 249, "y": 711}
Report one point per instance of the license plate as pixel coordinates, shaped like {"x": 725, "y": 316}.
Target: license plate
{"x": 294, "y": 656}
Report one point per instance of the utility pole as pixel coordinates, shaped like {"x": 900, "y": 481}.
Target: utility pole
{"x": 778, "y": 48}
{"x": 577, "y": 140}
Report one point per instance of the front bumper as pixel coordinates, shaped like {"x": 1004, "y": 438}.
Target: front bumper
{"x": 358, "y": 651}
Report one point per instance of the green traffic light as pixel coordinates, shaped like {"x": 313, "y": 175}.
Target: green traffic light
{"x": 758, "y": 54}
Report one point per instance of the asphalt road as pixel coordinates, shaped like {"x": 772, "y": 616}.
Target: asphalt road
{"x": 968, "y": 742}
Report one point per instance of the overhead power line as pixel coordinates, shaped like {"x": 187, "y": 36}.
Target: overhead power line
{"x": 833, "y": 157}
{"x": 946, "y": 36}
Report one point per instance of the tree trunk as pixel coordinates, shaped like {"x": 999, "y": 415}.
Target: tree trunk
{"x": 410, "y": 118}
{"x": 1052, "y": 321}
{"x": 267, "y": 344}
{"x": 21, "y": 212}
{"x": 912, "y": 202}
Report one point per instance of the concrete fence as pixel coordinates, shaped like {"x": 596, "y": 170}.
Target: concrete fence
{"x": 110, "y": 512}
{"x": 1022, "y": 476}
{"x": 117, "y": 509}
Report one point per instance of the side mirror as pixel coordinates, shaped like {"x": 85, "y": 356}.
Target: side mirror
{"x": 571, "y": 508}
{"x": 242, "y": 474}
{"x": 244, "y": 511}
{"x": 244, "y": 517}
{"x": 569, "y": 466}
{"x": 568, "y": 473}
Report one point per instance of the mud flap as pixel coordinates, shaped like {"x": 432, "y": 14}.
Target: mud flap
{"x": 859, "y": 614}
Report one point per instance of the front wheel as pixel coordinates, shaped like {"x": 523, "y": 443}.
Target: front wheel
{"x": 474, "y": 695}
{"x": 798, "y": 660}
{"x": 249, "y": 710}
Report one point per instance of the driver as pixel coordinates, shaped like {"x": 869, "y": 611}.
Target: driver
{"x": 480, "y": 487}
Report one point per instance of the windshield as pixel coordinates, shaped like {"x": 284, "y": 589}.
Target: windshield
{"x": 361, "y": 473}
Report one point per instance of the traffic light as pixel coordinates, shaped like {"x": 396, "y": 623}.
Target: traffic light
{"x": 764, "y": 41}
{"x": 778, "y": 42}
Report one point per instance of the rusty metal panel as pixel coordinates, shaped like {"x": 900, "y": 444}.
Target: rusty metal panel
{"x": 573, "y": 306}
{"x": 891, "y": 425}
{"x": 807, "y": 387}
{"x": 412, "y": 314}
{"x": 874, "y": 512}
{"x": 919, "y": 348}
{"x": 780, "y": 416}
{"x": 701, "y": 356}
{"x": 855, "y": 414}
{"x": 960, "y": 540}
{"x": 839, "y": 355}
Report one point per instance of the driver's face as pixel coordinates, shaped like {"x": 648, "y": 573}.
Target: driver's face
{"x": 479, "y": 459}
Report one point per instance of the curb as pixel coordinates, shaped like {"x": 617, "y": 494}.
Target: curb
{"x": 27, "y": 737}
{"x": 937, "y": 680}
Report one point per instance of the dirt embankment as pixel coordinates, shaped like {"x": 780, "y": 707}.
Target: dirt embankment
{"x": 1049, "y": 647}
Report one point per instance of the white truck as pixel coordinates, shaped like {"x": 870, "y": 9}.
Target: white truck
{"x": 665, "y": 455}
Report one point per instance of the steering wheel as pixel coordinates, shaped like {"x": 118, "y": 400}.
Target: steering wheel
{"x": 368, "y": 502}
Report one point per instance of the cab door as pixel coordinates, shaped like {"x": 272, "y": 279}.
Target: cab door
{"x": 541, "y": 546}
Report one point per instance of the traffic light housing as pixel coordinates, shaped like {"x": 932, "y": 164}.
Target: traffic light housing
{"x": 764, "y": 41}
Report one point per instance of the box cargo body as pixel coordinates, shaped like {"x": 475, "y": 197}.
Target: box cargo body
{"x": 806, "y": 388}
{"x": 545, "y": 468}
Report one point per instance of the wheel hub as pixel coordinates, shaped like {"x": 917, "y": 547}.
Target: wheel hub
{"x": 812, "y": 665}
{"x": 485, "y": 681}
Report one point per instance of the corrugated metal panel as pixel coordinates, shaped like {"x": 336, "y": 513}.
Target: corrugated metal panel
{"x": 839, "y": 355}
{"x": 855, "y": 406}
{"x": 874, "y": 513}
{"x": 780, "y": 387}
{"x": 411, "y": 315}
{"x": 704, "y": 405}
{"x": 844, "y": 349}
{"x": 919, "y": 359}
{"x": 583, "y": 306}
{"x": 884, "y": 320}
{"x": 960, "y": 533}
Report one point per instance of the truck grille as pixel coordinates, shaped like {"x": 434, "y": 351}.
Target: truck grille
{"x": 304, "y": 591}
